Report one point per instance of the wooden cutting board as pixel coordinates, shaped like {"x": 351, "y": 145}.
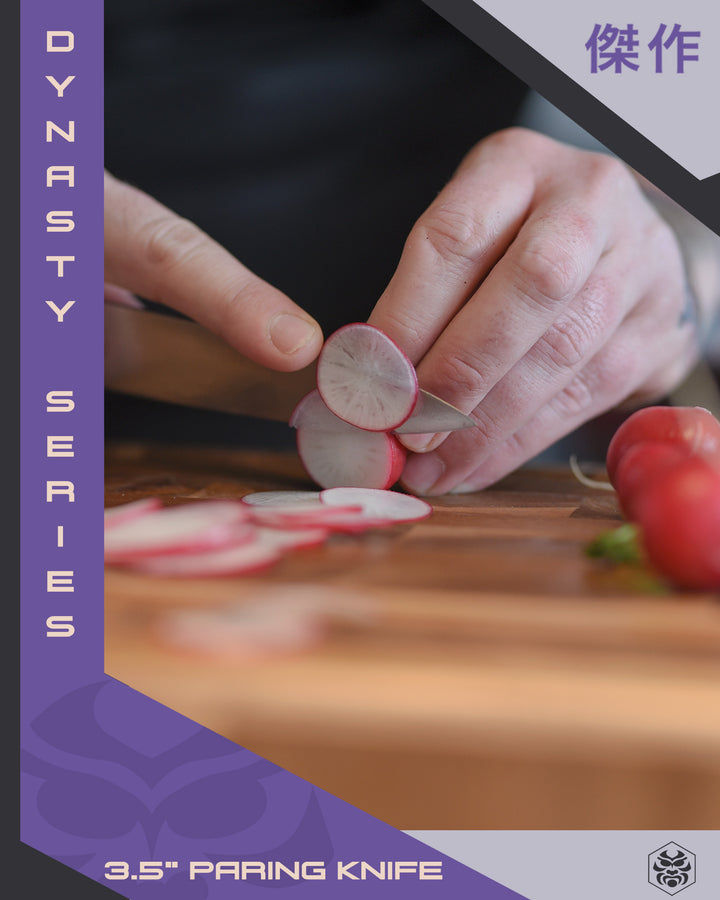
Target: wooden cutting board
{"x": 474, "y": 670}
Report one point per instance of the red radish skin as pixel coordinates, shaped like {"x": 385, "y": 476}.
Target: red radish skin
{"x": 293, "y": 539}
{"x": 388, "y": 505}
{"x": 679, "y": 520}
{"x": 346, "y": 518}
{"x": 639, "y": 468}
{"x": 252, "y": 556}
{"x": 694, "y": 429}
{"x": 307, "y": 515}
{"x": 179, "y": 529}
{"x": 366, "y": 459}
{"x": 126, "y": 512}
{"x": 365, "y": 379}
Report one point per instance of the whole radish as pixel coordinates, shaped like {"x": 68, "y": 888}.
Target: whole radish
{"x": 679, "y": 519}
{"x": 692, "y": 429}
{"x": 639, "y": 469}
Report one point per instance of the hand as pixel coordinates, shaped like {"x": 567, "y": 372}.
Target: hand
{"x": 151, "y": 251}
{"x": 538, "y": 290}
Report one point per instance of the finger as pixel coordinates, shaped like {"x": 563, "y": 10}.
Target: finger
{"x": 543, "y": 270}
{"x": 152, "y": 252}
{"x": 573, "y": 338}
{"x": 473, "y": 459}
{"x": 453, "y": 246}
{"x": 120, "y": 297}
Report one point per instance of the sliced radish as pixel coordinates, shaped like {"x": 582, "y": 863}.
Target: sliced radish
{"x": 293, "y": 539}
{"x": 273, "y": 623}
{"x": 305, "y": 515}
{"x": 365, "y": 459}
{"x": 337, "y": 454}
{"x": 179, "y": 529}
{"x": 387, "y": 505}
{"x": 117, "y": 515}
{"x": 281, "y": 499}
{"x": 366, "y": 379}
{"x": 311, "y": 412}
{"x": 251, "y": 556}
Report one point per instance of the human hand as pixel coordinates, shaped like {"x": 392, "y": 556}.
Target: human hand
{"x": 152, "y": 252}
{"x": 538, "y": 290}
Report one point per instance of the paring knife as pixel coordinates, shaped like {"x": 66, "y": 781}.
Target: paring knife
{"x": 177, "y": 361}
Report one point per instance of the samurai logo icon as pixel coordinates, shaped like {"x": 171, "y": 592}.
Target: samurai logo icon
{"x": 671, "y": 868}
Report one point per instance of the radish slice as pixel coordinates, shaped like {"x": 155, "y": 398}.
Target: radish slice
{"x": 387, "y": 505}
{"x": 273, "y": 623}
{"x": 177, "y": 529}
{"x": 293, "y": 539}
{"x": 366, "y": 379}
{"x": 306, "y": 515}
{"x": 311, "y": 412}
{"x": 117, "y": 515}
{"x": 281, "y": 499}
{"x": 251, "y": 556}
{"x": 364, "y": 459}
{"x": 336, "y": 454}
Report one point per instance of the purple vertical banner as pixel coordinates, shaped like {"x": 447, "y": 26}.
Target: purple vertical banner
{"x": 114, "y": 785}
{"x": 61, "y": 354}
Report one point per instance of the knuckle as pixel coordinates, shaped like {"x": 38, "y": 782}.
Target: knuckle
{"x": 565, "y": 344}
{"x": 517, "y": 136}
{"x": 580, "y": 228}
{"x": 406, "y": 326}
{"x": 576, "y": 399}
{"x": 240, "y": 305}
{"x": 604, "y": 171}
{"x": 169, "y": 241}
{"x": 453, "y": 232}
{"x": 469, "y": 374}
{"x": 547, "y": 271}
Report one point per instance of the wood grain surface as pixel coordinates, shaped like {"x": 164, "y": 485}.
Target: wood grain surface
{"x": 472, "y": 671}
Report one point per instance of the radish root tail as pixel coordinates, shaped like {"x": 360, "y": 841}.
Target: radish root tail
{"x": 583, "y": 479}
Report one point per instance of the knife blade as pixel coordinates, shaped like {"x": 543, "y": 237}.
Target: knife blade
{"x": 174, "y": 360}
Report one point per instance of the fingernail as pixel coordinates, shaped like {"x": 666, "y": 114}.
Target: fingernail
{"x": 416, "y": 443}
{"x": 290, "y": 333}
{"x": 423, "y": 472}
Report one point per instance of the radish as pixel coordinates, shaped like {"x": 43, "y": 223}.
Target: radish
{"x": 383, "y": 505}
{"x": 117, "y": 515}
{"x": 178, "y": 529}
{"x": 297, "y": 515}
{"x": 346, "y": 518}
{"x": 679, "y": 518}
{"x": 274, "y": 622}
{"x": 365, "y": 379}
{"x": 638, "y": 470}
{"x": 293, "y": 539}
{"x": 281, "y": 499}
{"x": 336, "y": 453}
{"x": 692, "y": 429}
{"x": 251, "y": 556}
